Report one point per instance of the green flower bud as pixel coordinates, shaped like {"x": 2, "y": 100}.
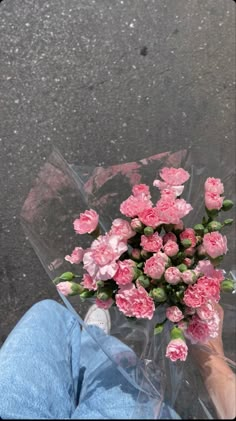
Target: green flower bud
{"x": 227, "y": 205}
{"x": 144, "y": 281}
{"x": 214, "y": 226}
{"x": 76, "y": 288}
{"x": 140, "y": 265}
{"x": 228, "y": 221}
{"x": 158, "y": 294}
{"x": 158, "y": 328}
{"x": 205, "y": 231}
{"x": 182, "y": 267}
{"x": 179, "y": 295}
{"x": 137, "y": 272}
{"x": 228, "y": 285}
{"x": 148, "y": 231}
{"x": 186, "y": 243}
{"x": 176, "y": 333}
{"x": 199, "y": 229}
{"x": 104, "y": 294}
{"x": 87, "y": 294}
{"x": 67, "y": 276}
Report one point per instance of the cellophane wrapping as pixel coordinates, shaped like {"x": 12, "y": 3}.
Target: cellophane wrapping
{"x": 59, "y": 194}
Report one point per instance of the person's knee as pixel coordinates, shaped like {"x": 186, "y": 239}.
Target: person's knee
{"x": 46, "y": 305}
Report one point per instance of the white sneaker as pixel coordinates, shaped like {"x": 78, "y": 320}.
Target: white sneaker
{"x": 98, "y": 317}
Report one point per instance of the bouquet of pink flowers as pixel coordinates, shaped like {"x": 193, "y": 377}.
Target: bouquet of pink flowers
{"x": 150, "y": 259}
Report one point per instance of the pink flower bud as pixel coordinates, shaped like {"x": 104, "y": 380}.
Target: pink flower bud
{"x": 136, "y": 225}
{"x": 188, "y": 276}
{"x": 172, "y": 275}
{"x": 171, "y": 248}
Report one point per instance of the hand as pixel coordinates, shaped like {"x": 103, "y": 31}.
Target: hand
{"x": 214, "y": 346}
{"x": 218, "y": 377}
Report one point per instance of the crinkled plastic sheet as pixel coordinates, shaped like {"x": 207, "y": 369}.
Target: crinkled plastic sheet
{"x": 59, "y": 194}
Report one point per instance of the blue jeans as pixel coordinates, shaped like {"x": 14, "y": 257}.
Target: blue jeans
{"x": 49, "y": 368}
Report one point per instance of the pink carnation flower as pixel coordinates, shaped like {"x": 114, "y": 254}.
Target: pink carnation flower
{"x": 206, "y": 268}
{"x": 174, "y": 176}
{"x": 89, "y": 283}
{"x": 125, "y": 272}
{"x": 76, "y": 256}
{"x": 214, "y": 185}
{"x": 189, "y": 234}
{"x": 163, "y": 257}
{"x": 206, "y": 311}
{"x": 140, "y": 189}
{"x": 172, "y": 275}
{"x": 213, "y": 201}
{"x": 215, "y": 244}
{"x": 168, "y": 191}
{"x": 171, "y": 211}
{"x": 171, "y": 248}
{"x": 135, "y": 302}
{"x": 177, "y": 350}
{"x": 211, "y": 287}
{"x": 169, "y": 236}
{"x": 167, "y": 212}
{"x": 122, "y": 228}
{"x": 100, "y": 259}
{"x": 133, "y": 206}
{"x": 105, "y": 304}
{"x": 195, "y": 295}
{"x": 174, "y": 314}
{"x": 152, "y": 243}
{"x": 150, "y": 217}
{"x": 197, "y": 330}
{"x": 182, "y": 207}
{"x": 87, "y": 222}
{"x": 154, "y": 267}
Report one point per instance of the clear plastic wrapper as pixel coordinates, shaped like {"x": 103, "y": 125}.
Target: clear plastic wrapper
{"x": 59, "y": 194}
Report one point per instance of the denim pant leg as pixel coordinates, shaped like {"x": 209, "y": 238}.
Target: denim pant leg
{"x": 105, "y": 392}
{"x": 39, "y": 364}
